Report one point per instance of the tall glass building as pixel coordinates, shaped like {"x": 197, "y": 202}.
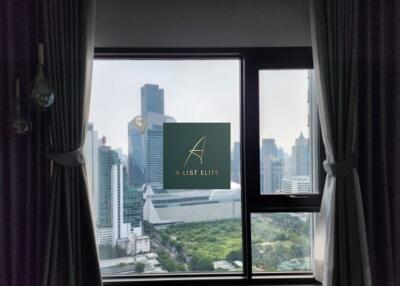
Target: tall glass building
{"x": 152, "y": 99}
{"x": 136, "y": 160}
{"x": 301, "y": 156}
{"x": 133, "y": 206}
{"x": 107, "y": 158}
{"x": 154, "y": 158}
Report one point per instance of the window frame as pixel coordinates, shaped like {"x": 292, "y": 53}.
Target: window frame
{"x": 251, "y": 60}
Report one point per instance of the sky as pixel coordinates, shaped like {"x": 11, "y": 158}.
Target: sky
{"x": 196, "y": 91}
{"x": 283, "y": 106}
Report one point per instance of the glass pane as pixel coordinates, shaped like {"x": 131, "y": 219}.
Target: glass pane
{"x": 281, "y": 242}
{"x": 285, "y": 113}
{"x": 140, "y": 226}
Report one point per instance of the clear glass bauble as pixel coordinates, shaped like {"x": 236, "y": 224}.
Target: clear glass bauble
{"x": 43, "y": 94}
{"x": 21, "y": 126}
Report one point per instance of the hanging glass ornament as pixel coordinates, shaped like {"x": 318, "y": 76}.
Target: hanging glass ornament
{"x": 42, "y": 94}
{"x": 20, "y": 124}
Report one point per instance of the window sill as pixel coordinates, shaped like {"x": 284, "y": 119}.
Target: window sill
{"x": 276, "y": 280}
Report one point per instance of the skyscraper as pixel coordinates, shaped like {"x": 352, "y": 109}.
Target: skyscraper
{"x": 107, "y": 158}
{"x": 133, "y": 203}
{"x": 154, "y": 149}
{"x": 133, "y": 206}
{"x": 136, "y": 155}
{"x": 301, "y": 156}
{"x": 273, "y": 172}
{"x": 91, "y": 153}
{"x": 281, "y": 154}
{"x": 120, "y": 229}
{"x": 268, "y": 148}
{"x": 154, "y": 158}
{"x": 145, "y": 159}
{"x": 152, "y": 99}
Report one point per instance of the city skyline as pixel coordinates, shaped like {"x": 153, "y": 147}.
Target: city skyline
{"x": 132, "y": 203}
{"x": 117, "y": 91}
{"x": 234, "y": 146}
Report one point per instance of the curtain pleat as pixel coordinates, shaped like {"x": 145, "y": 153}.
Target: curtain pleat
{"x": 23, "y": 182}
{"x": 340, "y": 249}
{"x": 71, "y": 256}
{"x": 379, "y": 135}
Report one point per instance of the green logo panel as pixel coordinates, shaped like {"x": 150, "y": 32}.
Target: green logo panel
{"x": 197, "y": 155}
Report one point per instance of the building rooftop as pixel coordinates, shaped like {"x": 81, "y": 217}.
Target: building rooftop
{"x": 116, "y": 261}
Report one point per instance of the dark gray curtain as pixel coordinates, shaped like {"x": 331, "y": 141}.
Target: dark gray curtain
{"x": 379, "y": 135}
{"x": 23, "y": 182}
{"x": 341, "y": 254}
{"x": 71, "y": 256}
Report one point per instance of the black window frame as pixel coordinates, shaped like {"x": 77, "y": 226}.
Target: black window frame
{"x": 255, "y": 62}
{"x": 252, "y": 61}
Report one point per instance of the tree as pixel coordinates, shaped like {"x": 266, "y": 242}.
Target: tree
{"x": 139, "y": 267}
{"x": 296, "y": 251}
{"x": 281, "y": 236}
{"x": 201, "y": 263}
{"x": 234, "y": 255}
{"x": 168, "y": 263}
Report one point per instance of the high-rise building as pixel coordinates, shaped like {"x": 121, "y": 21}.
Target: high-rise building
{"x": 136, "y": 155}
{"x": 107, "y": 158}
{"x": 122, "y": 157}
{"x": 91, "y": 153}
{"x": 281, "y": 154}
{"x": 301, "y": 156}
{"x": 154, "y": 157}
{"x": 120, "y": 229}
{"x": 133, "y": 206}
{"x": 145, "y": 147}
{"x": 153, "y": 146}
{"x": 152, "y": 99}
{"x": 273, "y": 171}
{"x": 268, "y": 148}
{"x": 235, "y": 168}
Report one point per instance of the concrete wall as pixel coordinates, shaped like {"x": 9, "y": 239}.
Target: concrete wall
{"x": 202, "y": 23}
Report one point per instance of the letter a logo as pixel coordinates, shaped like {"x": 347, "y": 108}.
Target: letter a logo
{"x": 196, "y": 151}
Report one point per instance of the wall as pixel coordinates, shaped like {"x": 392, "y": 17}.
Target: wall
{"x": 202, "y": 23}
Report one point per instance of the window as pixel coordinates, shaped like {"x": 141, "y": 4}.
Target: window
{"x": 285, "y": 109}
{"x": 261, "y": 223}
{"x": 281, "y": 242}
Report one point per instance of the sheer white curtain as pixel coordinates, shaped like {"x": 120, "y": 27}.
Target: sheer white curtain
{"x": 340, "y": 249}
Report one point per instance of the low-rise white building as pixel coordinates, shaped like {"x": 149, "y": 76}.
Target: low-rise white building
{"x": 223, "y": 265}
{"x": 138, "y": 244}
{"x": 142, "y": 244}
{"x": 183, "y": 206}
